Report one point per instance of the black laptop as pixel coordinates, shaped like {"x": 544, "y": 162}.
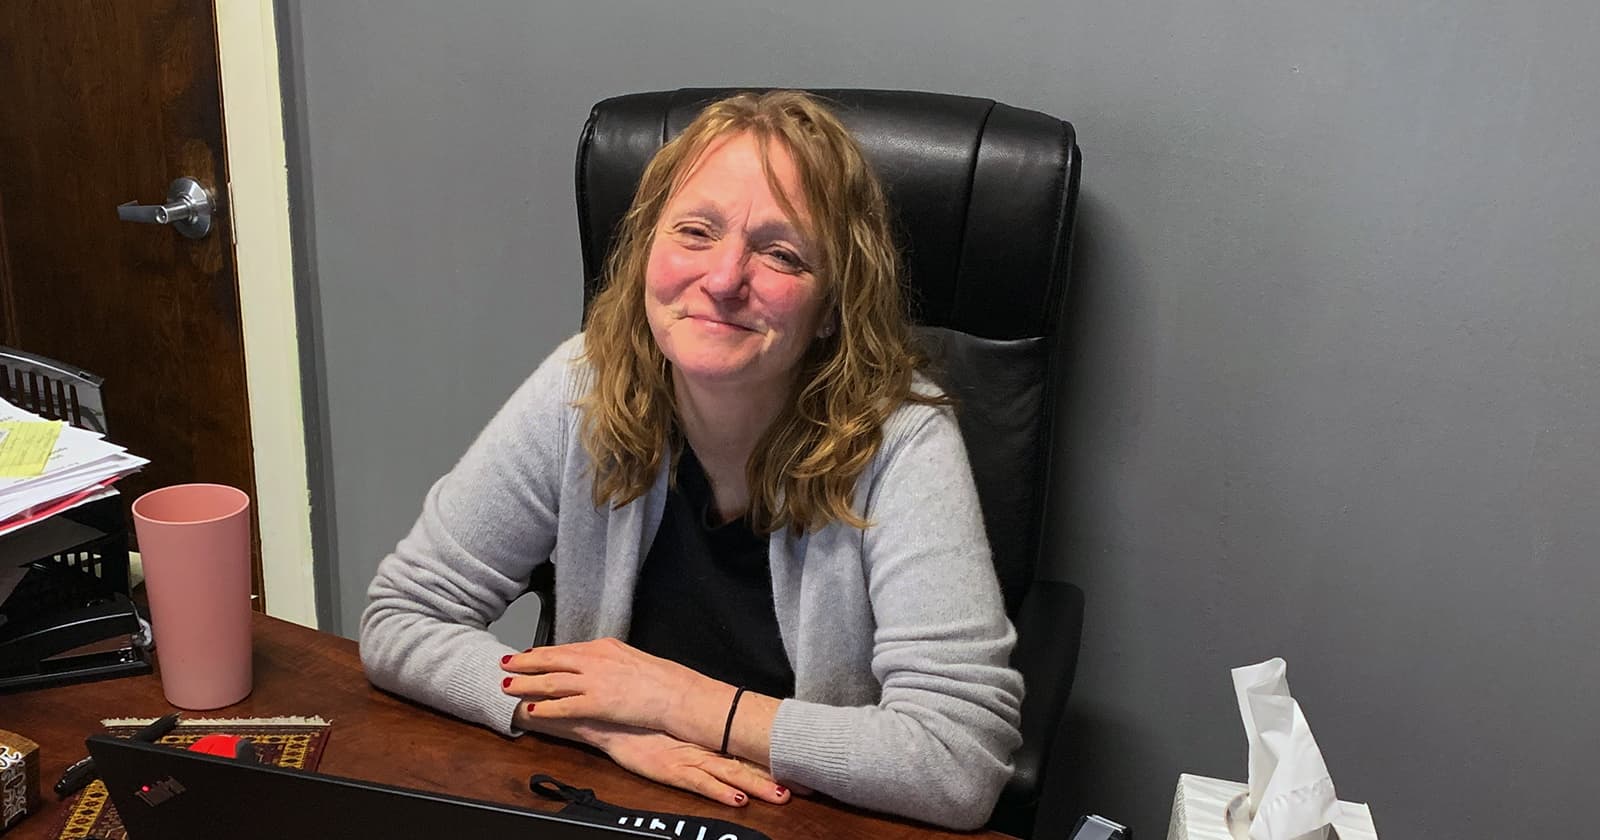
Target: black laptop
{"x": 166, "y": 793}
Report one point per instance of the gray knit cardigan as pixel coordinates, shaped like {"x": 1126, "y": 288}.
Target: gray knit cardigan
{"x": 904, "y": 698}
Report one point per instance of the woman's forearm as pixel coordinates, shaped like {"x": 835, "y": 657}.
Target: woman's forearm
{"x": 705, "y": 713}
{"x": 751, "y": 734}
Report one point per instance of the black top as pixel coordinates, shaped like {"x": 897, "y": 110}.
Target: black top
{"x": 704, "y": 596}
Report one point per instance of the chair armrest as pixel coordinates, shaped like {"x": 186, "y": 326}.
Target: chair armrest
{"x": 1049, "y": 629}
{"x": 542, "y": 585}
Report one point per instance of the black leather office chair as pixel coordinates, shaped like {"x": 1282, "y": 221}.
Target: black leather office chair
{"x": 984, "y": 195}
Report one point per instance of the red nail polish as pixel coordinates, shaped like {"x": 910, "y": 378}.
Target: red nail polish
{"x": 530, "y": 707}
{"x": 527, "y": 650}
{"x": 739, "y": 798}
{"x": 783, "y": 791}
{"x": 505, "y": 683}
{"x": 505, "y": 659}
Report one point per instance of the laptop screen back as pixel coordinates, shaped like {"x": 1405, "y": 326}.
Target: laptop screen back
{"x": 162, "y": 792}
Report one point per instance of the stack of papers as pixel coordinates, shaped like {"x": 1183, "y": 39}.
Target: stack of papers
{"x": 80, "y": 469}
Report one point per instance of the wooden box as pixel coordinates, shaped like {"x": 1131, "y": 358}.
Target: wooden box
{"x": 19, "y": 778}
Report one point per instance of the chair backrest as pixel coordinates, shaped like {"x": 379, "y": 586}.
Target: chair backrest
{"x": 52, "y": 389}
{"x": 983, "y": 196}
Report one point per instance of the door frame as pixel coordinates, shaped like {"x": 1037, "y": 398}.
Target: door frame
{"x": 258, "y": 195}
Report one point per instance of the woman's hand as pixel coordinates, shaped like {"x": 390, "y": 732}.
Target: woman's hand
{"x": 662, "y": 758}
{"x": 665, "y": 759}
{"x": 609, "y": 680}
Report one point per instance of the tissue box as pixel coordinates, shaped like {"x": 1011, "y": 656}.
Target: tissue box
{"x": 19, "y": 778}
{"x": 1197, "y": 812}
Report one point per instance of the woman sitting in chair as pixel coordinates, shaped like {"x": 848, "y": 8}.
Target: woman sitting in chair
{"x": 770, "y": 564}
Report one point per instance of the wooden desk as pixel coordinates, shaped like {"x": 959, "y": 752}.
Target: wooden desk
{"x": 382, "y": 738}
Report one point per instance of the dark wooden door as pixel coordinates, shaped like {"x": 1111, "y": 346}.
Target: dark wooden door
{"x": 101, "y": 103}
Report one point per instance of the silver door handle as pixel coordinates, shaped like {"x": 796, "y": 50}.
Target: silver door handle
{"x": 188, "y": 209}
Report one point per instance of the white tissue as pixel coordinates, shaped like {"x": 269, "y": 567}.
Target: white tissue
{"x": 1291, "y": 794}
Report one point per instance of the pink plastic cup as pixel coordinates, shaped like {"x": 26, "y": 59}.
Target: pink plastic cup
{"x": 194, "y": 541}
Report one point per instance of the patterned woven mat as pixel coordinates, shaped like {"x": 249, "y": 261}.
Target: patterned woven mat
{"x": 295, "y": 742}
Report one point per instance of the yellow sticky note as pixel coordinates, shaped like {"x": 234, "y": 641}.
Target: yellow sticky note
{"x": 25, "y": 446}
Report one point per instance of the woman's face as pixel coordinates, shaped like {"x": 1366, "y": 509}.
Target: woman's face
{"x": 729, "y": 289}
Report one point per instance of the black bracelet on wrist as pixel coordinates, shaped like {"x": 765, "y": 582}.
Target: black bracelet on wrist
{"x": 727, "y": 728}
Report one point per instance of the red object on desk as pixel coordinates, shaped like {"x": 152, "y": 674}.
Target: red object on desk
{"x": 217, "y": 743}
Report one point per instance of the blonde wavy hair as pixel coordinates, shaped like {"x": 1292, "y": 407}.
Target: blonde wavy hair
{"x": 803, "y": 472}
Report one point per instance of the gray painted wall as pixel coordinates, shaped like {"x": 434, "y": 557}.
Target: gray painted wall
{"x": 1337, "y": 370}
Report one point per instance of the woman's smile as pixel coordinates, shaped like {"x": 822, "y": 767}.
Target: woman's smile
{"x": 719, "y": 325}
